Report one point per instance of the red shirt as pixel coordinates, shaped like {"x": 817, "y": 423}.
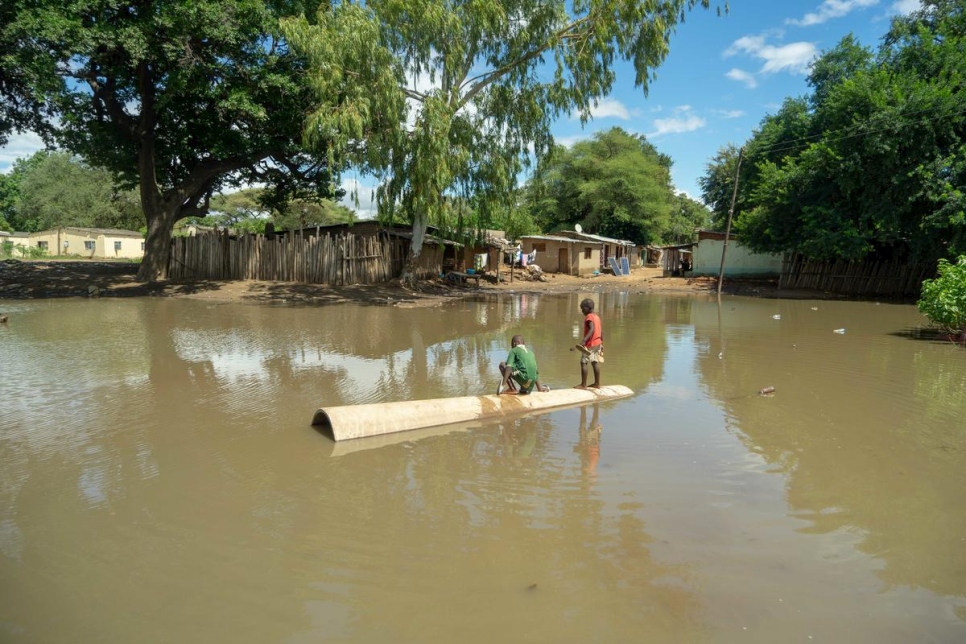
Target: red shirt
{"x": 595, "y": 338}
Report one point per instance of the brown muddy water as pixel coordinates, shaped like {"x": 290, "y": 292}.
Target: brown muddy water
{"x": 160, "y": 481}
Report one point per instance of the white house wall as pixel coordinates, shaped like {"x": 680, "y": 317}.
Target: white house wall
{"x": 739, "y": 260}
{"x": 78, "y": 240}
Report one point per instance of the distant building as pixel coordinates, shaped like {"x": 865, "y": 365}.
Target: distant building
{"x": 89, "y": 243}
{"x": 556, "y": 254}
{"x": 740, "y": 261}
{"x": 609, "y": 247}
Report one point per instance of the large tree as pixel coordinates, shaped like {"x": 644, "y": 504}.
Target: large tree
{"x": 178, "y": 98}
{"x": 613, "y": 184}
{"x": 59, "y": 190}
{"x": 873, "y": 162}
{"x": 485, "y": 80}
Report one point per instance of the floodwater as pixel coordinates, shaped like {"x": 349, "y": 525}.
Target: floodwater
{"x": 160, "y": 480}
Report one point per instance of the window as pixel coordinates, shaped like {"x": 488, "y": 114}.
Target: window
{"x": 142, "y": 245}
{"x": 588, "y": 252}
{"x": 42, "y": 245}
{"x": 88, "y": 245}
{"x": 117, "y": 246}
{"x": 540, "y": 248}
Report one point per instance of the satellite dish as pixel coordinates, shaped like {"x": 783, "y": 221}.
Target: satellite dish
{"x": 578, "y": 228}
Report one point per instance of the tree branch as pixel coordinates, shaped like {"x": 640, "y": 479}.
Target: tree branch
{"x": 483, "y": 80}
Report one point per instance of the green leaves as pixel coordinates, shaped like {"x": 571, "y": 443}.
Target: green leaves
{"x": 943, "y": 299}
{"x": 178, "y": 98}
{"x": 616, "y": 185}
{"x": 483, "y": 79}
{"x": 58, "y": 190}
{"x": 873, "y": 161}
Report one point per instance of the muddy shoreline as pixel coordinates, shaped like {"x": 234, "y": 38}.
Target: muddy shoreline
{"x": 81, "y": 278}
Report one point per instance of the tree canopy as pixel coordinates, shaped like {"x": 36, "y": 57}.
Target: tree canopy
{"x": 55, "y": 189}
{"x": 179, "y": 99}
{"x": 484, "y": 81}
{"x": 252, "y": 209}
{"x": 873, "y": 162}
{"x": 614, "y": 184}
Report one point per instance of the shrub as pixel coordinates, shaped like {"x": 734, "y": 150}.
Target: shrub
{"x": 943, "y": 300}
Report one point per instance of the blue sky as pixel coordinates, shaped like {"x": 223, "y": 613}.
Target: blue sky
{"x": 722, "y": 76}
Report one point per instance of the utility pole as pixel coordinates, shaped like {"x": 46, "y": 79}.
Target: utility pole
{"x": 731, "y": 212}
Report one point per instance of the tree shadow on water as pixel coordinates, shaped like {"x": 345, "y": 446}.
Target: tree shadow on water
{"x": 928, "y": 334}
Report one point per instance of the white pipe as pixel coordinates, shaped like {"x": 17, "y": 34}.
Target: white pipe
{"x": 359, "y": 421}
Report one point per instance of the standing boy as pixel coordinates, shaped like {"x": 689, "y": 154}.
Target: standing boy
{"x": 520, "y": 370}
{"x": 593, "y": 344}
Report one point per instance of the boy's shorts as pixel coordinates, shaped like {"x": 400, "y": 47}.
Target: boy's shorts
{"x": 596, "y": 355}
{"x": 524, "y": 384}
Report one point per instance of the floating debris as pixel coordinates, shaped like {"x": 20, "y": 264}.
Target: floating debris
{"x": 764, "y": 391}
{"x": 776, "y": 317}
{"x": 839, "y": 331}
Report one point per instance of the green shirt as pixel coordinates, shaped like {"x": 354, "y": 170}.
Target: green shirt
{"x": 523, "y": 361}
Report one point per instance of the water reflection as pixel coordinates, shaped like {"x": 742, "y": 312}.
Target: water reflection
{"x": 156, "y": 458}
{"x": 588, "y": 443}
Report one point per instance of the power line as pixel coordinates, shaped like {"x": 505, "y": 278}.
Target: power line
{"x": 851, "y": 133}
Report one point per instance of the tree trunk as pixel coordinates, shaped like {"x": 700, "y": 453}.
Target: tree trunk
{"x": 157, "y": 244}
{"x": 409, "y": 278}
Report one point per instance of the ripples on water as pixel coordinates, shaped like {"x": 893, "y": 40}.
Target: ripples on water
{"x": 156, "y": 461}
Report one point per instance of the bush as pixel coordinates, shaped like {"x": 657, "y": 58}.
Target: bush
{"x": 943, "y": 300}
{"x": 30, "y": 252}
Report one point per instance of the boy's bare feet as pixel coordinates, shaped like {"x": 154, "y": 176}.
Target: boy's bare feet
{"x": 580, "y": 386}
{"x": 596, "y": 385}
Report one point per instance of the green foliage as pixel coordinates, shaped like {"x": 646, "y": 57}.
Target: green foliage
{"x": 614, "y": 184}
{"x": 251, "y": 209}
{"x": 873, "y": 161}
{"x": 30, "y": 252}
{"x": 717, "y": 184}
{"x": 10, "y": 188}
{"x": 58, "y": 190}
{"x": 485, "y": 81}
{"x": 943, "y": 300}
{"x": 687, "y": 216}
{"x": 181, "y": 99}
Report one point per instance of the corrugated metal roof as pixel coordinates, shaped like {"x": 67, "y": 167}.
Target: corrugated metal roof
{"x": 598, "y": 238}
{"x": 113, "y": 232}
{"x": 551, "y": 238}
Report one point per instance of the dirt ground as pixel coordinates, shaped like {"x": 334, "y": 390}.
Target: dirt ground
{"x": 81, "y": 278}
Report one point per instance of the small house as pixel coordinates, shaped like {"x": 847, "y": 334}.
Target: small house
{"x": 677, "y": 260}
{"x": 740, "y": 261}
{"x": 609, "y": 247}
{"x": 557, "y": 254}
{"x": 90, "y": 243}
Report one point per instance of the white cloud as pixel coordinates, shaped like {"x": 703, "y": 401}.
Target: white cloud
{"x": 682, "y": 121}
{"x": 794, "y": 57}
{"x": 831, "y": 9}
{"x": 20, "y": 146}
{"x": 569, "y": 141}
{"x": 905, "y": 7}
{"x": 610, "y": 108}
{"x": 730, "y": 114}
{"x": 743, "y": 77}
